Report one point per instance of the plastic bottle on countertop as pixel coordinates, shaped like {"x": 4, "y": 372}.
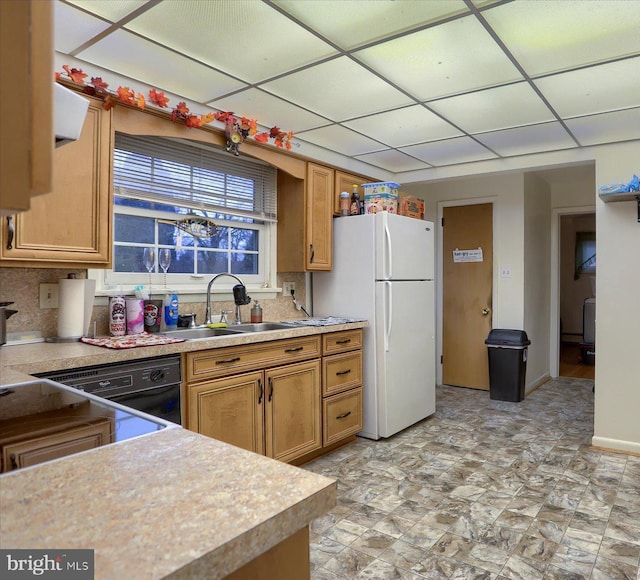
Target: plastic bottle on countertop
{"x": 256, "y": 312}
{"x": 344, "y": 203}
{"x": 171, "y": 310}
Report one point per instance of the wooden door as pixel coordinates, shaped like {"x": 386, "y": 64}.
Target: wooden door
{"x": 230, "y": 410}
{"x": 293, "y": 417}
{"x": 467, "y": 294}
{"x": 319, "y": 217}
{"x": 71, "y": 226}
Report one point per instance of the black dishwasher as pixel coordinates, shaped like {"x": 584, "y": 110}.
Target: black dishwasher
{"x": 149, "y": 385}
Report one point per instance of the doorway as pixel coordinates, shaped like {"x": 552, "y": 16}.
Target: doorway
{"x": 575, "y": 309}
{"x": 467, "y": 293}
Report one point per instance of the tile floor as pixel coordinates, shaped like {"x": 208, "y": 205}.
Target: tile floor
{"x": 484, "y": 489}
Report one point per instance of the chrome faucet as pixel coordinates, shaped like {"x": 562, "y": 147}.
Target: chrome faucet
{"x": 241, "y": 298}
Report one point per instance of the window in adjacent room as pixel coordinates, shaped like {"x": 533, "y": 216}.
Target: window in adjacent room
{"x": 585, "y": 254}
{"x": 160, "y": 180}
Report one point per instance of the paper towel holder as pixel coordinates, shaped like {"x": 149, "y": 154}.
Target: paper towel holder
{"x": 70, "y": 276}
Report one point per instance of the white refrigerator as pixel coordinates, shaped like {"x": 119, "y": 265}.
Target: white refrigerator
{"x": 383, "y": 271}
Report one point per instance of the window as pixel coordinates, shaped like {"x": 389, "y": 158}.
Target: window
{"x": 168, "y": 193}
{"x": 585, "y": 254}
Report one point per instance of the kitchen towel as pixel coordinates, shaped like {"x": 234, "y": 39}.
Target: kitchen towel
{"x": 75, "y": 306}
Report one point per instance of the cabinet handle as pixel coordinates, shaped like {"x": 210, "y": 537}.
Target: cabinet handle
{"x": 11, "y": 232}
{"x": 261, "y": 391}
{"x": 270, "y": 389}
{"x": 14, "y": 463}
{"x": 345, "y": 341}
{"x": 227, "y": 360}
{"x": 344, "y": 415}
{"x": 312, "y": 252}
{"x": 343, "y": 372}
{"x": 296, "y": 349}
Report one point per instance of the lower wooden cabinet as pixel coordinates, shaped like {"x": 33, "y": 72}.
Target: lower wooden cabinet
{"x": 262, "y": 397}
{"x": 274, "y": 412}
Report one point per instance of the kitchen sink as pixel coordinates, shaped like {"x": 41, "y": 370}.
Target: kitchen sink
{"x": 260, "y": 326}
{"x": 196, "y": 333}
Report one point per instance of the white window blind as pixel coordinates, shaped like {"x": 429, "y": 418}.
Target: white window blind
{"x": 195, "y": 176}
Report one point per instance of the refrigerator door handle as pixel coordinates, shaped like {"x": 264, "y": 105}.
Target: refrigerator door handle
{"x": 387, "y": 237}
{"x": 388, "y": 299}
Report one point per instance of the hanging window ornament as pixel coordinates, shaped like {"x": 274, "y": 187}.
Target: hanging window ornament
{"x": 234, "y": 134}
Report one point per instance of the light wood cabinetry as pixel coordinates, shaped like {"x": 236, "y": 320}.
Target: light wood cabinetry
{"x": 71, "y": 226}
{"x": 26, "y": 94}
{"x": 341, "y": 385}
{"x": 274, "y": 409}
{"x": 345, "y": 182}
{"x": 305, "y": 226}
{"x": 27, "y": 441}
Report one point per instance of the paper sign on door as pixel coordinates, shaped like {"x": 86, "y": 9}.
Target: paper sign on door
{"x": 467, "y": 255}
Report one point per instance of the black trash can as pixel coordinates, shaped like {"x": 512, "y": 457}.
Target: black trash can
{"x": 507, "y": 364}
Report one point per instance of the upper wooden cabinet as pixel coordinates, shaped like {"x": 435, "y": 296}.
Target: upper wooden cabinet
{"x": 305, "y": 220}
{"x": 71, "y": 226}
{"x": 26, "y": 94}
{"x": 345, "y": 182}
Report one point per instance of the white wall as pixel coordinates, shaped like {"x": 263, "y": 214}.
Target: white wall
{"x": 537, "y": 274}
{"x": 617, "y": 402}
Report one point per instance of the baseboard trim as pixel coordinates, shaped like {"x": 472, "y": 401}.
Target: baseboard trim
{"x": 537, "y": 383}
{"x": 615, "y": 445}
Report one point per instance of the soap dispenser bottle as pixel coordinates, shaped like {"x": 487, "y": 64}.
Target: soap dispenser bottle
{"x": 256, "y": 312}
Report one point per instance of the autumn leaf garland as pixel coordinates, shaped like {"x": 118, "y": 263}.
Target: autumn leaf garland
{"x": 180, "y": 113}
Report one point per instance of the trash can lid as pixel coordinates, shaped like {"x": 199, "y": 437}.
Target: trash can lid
{"x": 507, "y": 337}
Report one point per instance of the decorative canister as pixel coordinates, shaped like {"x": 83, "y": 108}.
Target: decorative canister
{"x": 152, "y": 315}
{"x": 117, "y": 316}
{"x": 135, "y": 315}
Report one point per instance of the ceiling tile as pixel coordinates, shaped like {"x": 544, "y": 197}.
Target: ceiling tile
{"x": 594, "y": 90}
{"x": 72, "y": 27}
{"x": 451, "y": 58}
{"x": 531, "y": 139}
{"x": 546, "y": 37}
{"x": 243, "y": 38}
{"x": 404, "y": 126}
{"x": 450, "y": 151}
{"x": 138, "y": 58}
{"x": 607, "y": 127}
{"x": 270, "y": 110}
{"x": 497, "y": 108}
{"x": 363, "y": 21}
{"x": 340, "y": 139}
{"x": 339, "y": 89}
{"x": 112, "y": 10}
{"x": 392, "y": 160}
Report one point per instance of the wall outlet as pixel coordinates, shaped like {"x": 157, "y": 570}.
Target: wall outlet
{"x": 289, "y": 288}
{"x": 49, "y": 295}
{"x": 506, "y": 272}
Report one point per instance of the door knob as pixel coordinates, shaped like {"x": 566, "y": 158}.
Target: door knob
{"x": 485, "y": 311}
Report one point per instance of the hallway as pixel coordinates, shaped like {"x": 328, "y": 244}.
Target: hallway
{"x": 484, "y": 489}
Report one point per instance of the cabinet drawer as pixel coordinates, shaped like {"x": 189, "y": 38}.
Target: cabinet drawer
{"x": 341, "y": 372}
{"x": 335, "y": 342}
{"x": 236, "y": 359}
{"x": 342, "y": 416}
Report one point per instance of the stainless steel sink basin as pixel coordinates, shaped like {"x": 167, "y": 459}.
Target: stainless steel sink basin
{"x": 196, "y": 333}
{"x": 259, "y": 326}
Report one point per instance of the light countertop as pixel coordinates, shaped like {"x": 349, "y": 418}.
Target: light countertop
{"x": 173, "y": 503}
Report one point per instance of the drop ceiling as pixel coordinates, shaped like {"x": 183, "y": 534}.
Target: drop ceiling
{"x": 388, "y": 87}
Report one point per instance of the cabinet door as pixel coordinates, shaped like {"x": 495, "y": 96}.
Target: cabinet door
{"x": 293, "y": 415}
{"x": 345, "y": 182}
{"x": 40, "y": 449}
{"x": 319, "y": 218}
{"x": 71, "y": 226}
{"x": 230, "y": 410}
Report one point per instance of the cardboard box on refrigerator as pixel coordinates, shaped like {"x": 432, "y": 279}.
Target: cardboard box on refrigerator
{"x": 411, "y": 207}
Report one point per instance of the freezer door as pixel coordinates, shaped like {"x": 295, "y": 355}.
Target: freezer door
{"x": 404, "y": 248}
{"x": 405, "y": 354}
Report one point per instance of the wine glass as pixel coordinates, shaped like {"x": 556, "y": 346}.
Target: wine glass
{"x": 149, "y": 258}
{"x": 165, "y": 261}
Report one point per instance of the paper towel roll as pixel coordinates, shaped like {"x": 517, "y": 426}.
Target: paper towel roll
{"x": 75, "y": 304}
